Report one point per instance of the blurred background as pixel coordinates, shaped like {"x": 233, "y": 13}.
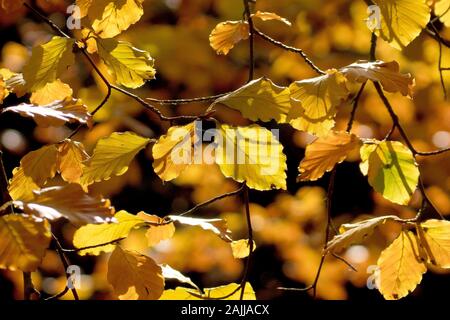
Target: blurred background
{"x": 289, "y": 226}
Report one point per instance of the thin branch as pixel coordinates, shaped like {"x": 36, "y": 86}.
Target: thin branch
{"x": 437, "y": 37}
{"x": 6, "y": 198}
{"x": 373, "y": 47}
{"x": 354, "y": 107}
{"x": 65, "y": 262}
{"x": 47, "y": 21}
{"x": 291, "y": 49}
{"x": 58, "y": 295}
{"x": 250, "y": 240}
{"x": 248, "y": 15}
{"x": 93, "y": 246}
{"x": 344, "y": 261}
{"x": 186, "y": 101}
{"x": 441, "y": 76}
{"x": 207, "y": 202}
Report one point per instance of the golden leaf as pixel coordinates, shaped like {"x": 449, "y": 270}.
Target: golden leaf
{"x": 259, "y": 99}
{"x": 159, "y": 230}
{"x": 170, "y": 273}
{"x": 324, "y": 153}
{"x": 96, "y": 234}
{"x": 48, "y": 62}
{"x": 442, "y": 10}
{"x": 226, "y": 34}
{"x": 52, "y": 91}
{"x": 387, "y": 73}
{"x": 112, "y": 155}
{"x": 241, "y": 248}
{"x": 400, "y": 267}
{"x": 314, "y": 102}
{"x": 71, "y": 155}
{"x": 266, "y": 16}
{"x": 23, "y": 242}
{"x": 70, "y": 202}
{"x": 217, "y": 226}
{"x": 134, "y": 276}
{"x": 21, "y": 186}
{"x": 251, "y": 154}
{"x": 434, "y": 236}
{"x": 40, "y": 165}
{"x": 181, "y": 293}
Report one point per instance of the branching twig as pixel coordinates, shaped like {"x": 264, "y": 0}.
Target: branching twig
{"x": 66, "y": 264}
{"x": 186, "y": 101}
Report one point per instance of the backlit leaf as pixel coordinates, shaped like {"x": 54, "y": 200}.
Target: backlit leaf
{"x": 159, "y": 229}
{"x": 402, "y": 20}
{"x": 181, "y": 293}
{"x": 442, "y": 10}
{"x": 434, "y": 236}
{"x": 217, "y": 226}
{"x": 226, "y": 34}
{"x": 252, "y": 154}
{"x": 170, "y": 273}
{"x": 241, "y": 248}
{"x": 131, "y": 66}
{"x": 52, "y": 91}
{"x": 70, "y": 202}
{"x": 55, "y": 114}
{"x": 48, "y": 61}
{"x": 393, "y": 171}
{"x": 71, "y": 155}
{"x": 355, "y": 233}
{"x": 324, "y": 153}
{"x": 23, "y": 242}
{"x": 21, "y": 186}
{"x": 266, "y": 16}
{"x": 40, "y": 165}
{"x": 387, "y": 73}
{"x": 134, "y": 276}
{"x": 96, "y": 234}
{"x": 259, "y": 99}
{"x": 111, "y": 157}
{"x": 314, "y": 102}
{"x": 400, "y": 267}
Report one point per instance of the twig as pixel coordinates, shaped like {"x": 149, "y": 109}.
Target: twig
{"x": 93, "y": 246}
{"x": 65, "y": 262}
{"x": 344, "y": 261}
{"x": 47, "y": 20}
{"x": 291, "y": 49}
{"x": 58, "y": 295}
{"x": 6, "y": 198}
{"x": 441, "y": 76}
{"x": 186, "y": 101}
{"x": 250, "y": 239}
{"x": 354, "y": 107}
{"x": 248, "y": 16}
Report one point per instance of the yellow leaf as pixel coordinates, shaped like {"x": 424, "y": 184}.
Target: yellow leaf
{"x": 400, "y": 267}
{"x": 252, "y": 154}
{"x": 112, "y": 155}
{"x": 21, "y": 186}
{"x": 387, "y": 73}
{"x": 354, "y": 233}
{"x": 159, "y": 230}
{"x": 241, "y": 248}
{"x": 442, "y": 10}
{"x": 434, "y": 236}
{"x": 55, "y": 114}
{"x": 52, "y": 91}
{"x": 96, "y": 234}
{"x": 324, "y": 153}
{"x": 393, "y": 171}
{"x": 173, "y": 152}
{"x": 365, "y": 152}
{"x": 181, "y": 293}
{"x": 402, "y": 20}
{"x": 23, "y": 242}
{"x": 109, "y": 18}
{"x": 266, "y": 16}
{"x": 89, "y": 40}
{"x": 226, "y": 34}
{"x": 314, "y": 102}
{"x": 48, "y": 62}
{"x": 40, "y": 164}
{"x": 134, "y": 276}
{"x": 217, "y": 226}
{"x": 70, "y": 202}
{"x": 3, "y": 90}
{"x": 170, "y": 273}
{"x": 71, "y": 155}
{"x": 131, "y": 66}
{"x": 259, "y": 99}
{"x": 13, "y": 82}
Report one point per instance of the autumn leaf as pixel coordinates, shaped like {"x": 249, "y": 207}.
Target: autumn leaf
{"x": 314, "y": 102}
{"x": 400, "y": 267}
{"x": 324, "y": 153}
{"x": 70, "y": 202}
{"x": 173, "y": 152}
{"x": 217, "y": 226}
{"x": 159, "y": 230}
{"x": 259, "y": 99}
{"x": 108, "y": 17}
{"x": 392, "y": 170}
{"x": 3, "y": 90}
{"x": 40, "y": 165}
{"x": 226, "y": 34}
{"x": 251, "y": 154}
{"x": 181, "y": 293}
{"x": 387, "y": 73}
{"x": 402, "y": 20}
{"x": 24, "y": 240}
{"x": 434, "y": 236}
{"x": 170, "y": 273}
{"x": 96, "y": 234}
{"x": 48, "y": 62}
{"x": 112, "y": 155}
{"x": 241, "y": 248}
{"x": 131, "y": 66}
{"x": 12, "y": 83}
{"x": 21, "y": 186}
{"x": 134, "y": 276}
{"x": 70, "y": 161}
{"x": 55, "y": 114}
{"x": 354, "y": 233}
{"x": 52, "y": 91}
{"x": 267, "y": 16}
{"x": 442, "y": 10}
